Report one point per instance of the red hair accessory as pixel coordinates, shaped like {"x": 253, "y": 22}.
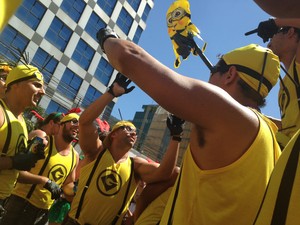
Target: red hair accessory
{"x": 38, "y": 116}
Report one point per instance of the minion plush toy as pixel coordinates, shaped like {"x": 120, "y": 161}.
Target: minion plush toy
{"x": 181, "y": 30}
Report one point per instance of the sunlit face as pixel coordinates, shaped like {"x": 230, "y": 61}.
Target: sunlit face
{"x": 70, "y": 130}
{"x": 126, "y": 135}
{"x": 29, "y": 92}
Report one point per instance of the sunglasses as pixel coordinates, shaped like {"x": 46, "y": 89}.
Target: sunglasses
{"x": 73, "y": 122}
{"x": 128, "y": 129}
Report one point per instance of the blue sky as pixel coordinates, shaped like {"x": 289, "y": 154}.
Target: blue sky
{"x": 222, "y": 24}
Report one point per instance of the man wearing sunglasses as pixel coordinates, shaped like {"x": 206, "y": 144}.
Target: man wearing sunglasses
{"x": 109, "y": 180}
{"x": 284, "y": 36}
{"x": 232, "y": 148}
{"x": 37, "y": 188}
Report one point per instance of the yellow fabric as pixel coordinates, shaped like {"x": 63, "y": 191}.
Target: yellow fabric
{"x": 57, "y": 169}
{"x": 18, "y": 143}
{"x": 252, "y": 56}
{"x": 106, "y": 199}
{"x": 228, "y": 195}
{"x": 153, "y": 213}
{"x": 179, "y": 22}
{"x": 122, "y": 123}
{"x": 289, "y": 106}
{"x": 23, "y": 72}
{"x": 69, "y": 117}
{"x": 266, "y": 212}
{"x": 8, "y": 8}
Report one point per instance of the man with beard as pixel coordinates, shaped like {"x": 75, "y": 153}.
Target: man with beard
{"x": 36, "y": 189}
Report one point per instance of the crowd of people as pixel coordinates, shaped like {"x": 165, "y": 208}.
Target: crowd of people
{"x": 240, "y": 167}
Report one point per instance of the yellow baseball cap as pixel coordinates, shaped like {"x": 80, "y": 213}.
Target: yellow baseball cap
{"x": 22, "y": 73}
{"x": 258, "y": 66}
{"x": 69, "y": 117}
{"x": 107, "y": 140}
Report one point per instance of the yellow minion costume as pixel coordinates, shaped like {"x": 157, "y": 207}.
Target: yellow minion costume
{"x": 288, "y": 99}
{"x": 111, "y": 186}
{"x": 13, "y": 133}
{"x": 181, "y": 30}
{"x": 7, "y": 8}
{"x": 201, "y": 197}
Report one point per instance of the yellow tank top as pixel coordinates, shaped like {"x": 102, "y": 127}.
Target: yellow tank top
{"x": 228, "y": 195}
{"x": 57, "y": 169}
{"x": 282, "y": 199}
{"x": 7, "y": 8}
{"x": 106, "y": 191}
{"x": 17, "y": 141}
{"x": 289, "y": 105}
{"x": 153, "y": 213}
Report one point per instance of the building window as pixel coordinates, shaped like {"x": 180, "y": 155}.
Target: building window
{"x": 94, "y": 24}
{"x": 46, "y": 64}
{"x": 146, "y": 13}
{"x": 104, "y": 71}
{"x": 107, "y": 6}
{"x": 55, "y": 107}
{"x": 83, "y": 54}
{"x": 69, "y": 84}
{"x": 137, "y": 34}
{"x": 134, "y": 4}
{"x": 91, "y": 95}
{"x": 73, "y": 8}
{"x": 124, "y": 21}
{"x": 10, "y": 41}
{"x": 31, "y": 13}
{"x": 58, "y": 34}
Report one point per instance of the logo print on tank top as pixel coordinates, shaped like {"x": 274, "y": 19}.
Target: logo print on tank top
{"x": 58, "y": 173}
{"x": 109, "y": 182}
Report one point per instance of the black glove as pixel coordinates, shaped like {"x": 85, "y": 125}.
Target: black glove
{"x": 267, "y": 29}
{"x": 24, "y": 161}
{"x": 175, "y": 125}
{"x": 55, "y": 190}
{"x": 123, "y": 82}
{"x": 37, "y": 147}
{"x": 103, "y": 34}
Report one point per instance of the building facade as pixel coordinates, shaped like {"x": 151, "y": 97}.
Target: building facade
{"x": 153, "y": 134}
{"x": 59, "y": 37}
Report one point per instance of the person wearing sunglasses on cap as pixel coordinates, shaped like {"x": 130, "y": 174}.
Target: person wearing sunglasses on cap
{"x": 284, "y": 40}
{"x": 108, "y": 181}
{"x": 23, "y": 88}
{"x": 37, "y": 188}
{"x": 232, "y": 149}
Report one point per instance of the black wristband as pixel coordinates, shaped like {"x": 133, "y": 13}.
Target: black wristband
{"x": 47, "y": 183}
{"x": 176, "y": 138}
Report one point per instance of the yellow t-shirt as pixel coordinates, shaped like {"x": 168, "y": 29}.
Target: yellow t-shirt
{"x": 57, "y": 169}
{"x": 106, "y": 191}
{"x": 228, "y": 195}
{"x": 18, "y": 143}
{"x": 291, "y": 192}
{"x": 289, "y": 105}
{"x": 8, "y": 8}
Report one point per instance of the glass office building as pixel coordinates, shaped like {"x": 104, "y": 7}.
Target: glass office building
{"x": 59, "y": 36}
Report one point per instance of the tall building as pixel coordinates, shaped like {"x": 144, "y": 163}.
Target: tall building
{"x": 154, "y": 135}
{"x": 59, "y": 36}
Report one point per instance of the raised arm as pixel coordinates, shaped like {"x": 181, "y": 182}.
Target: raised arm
{"x": 89, "y": 140}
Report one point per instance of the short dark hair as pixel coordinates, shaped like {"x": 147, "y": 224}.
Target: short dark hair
{"x": 246, "y": 89}
{"x": 55, "y": 116}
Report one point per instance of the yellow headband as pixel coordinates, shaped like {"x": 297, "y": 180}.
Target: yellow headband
{"x": 22, "y": 73}
{"x": 259, "y": 67}
{"x": 69, "y": 117}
